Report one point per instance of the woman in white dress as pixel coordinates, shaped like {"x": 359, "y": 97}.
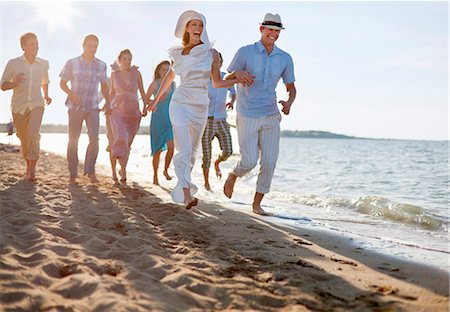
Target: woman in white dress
{"x": 195, "y": 62}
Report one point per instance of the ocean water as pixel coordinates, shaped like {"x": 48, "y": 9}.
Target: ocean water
{"x": 390, "y": 196}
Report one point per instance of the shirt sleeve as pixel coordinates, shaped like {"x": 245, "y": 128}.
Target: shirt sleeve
{"x": 45, "y": 79}
{"x": 8, "y": 74}
{"x": 67, "y": 72}
{"x": 288, "y": 73}
{"x": 238, "y": 62}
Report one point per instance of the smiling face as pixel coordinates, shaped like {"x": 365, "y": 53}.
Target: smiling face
{"x": 269, "y": 36}
{"x": 90, "y": 47}
{"x": 31, "y": 47}
{"x": 125, "y": 61}
{"x": 163, "y": 69}
{"x": 194, "y": 28}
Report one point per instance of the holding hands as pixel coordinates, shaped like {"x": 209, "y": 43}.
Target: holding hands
{"x": 244, "y": 77}
{"x": 151, "y": 105}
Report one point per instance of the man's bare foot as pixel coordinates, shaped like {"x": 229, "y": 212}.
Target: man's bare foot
{"x": 217, "y": 168}
{"x": 155, "y": 180}
{"x": 258, "y": 210}
{"x": 207, "y": 186}
{"x": 228, "y": 187}
{"x": 32, "y": 178}
{"x": 72, "y": 180}
{"x": 166, "y": 174}
{"x": 191, "y": 203}
{"x": 92, "y": 177}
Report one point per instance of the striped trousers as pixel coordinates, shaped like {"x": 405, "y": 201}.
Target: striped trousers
{"x": 258, "y": 136}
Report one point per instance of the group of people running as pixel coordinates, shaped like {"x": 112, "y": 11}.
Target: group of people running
{"x": 183, "y": 116}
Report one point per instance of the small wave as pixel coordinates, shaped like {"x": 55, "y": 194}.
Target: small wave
{"x": 311, "y": 200}
{"x": 378, "y": 206}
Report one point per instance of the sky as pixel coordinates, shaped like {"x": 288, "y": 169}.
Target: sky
{"x": 363, "y": 68}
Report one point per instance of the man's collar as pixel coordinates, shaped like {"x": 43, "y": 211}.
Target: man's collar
{"x": 261, "y": 48}
{"x": 36, "y": 59}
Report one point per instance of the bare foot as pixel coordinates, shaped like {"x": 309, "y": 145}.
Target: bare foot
{"x": 92, "y": 177}
{"x": 228, "y": 187}
{"x": 123, "y": 175}
{"x": 191, "y": 203}
{"x": 166, "y": 174}
{"x": 72, "y": 180}
{"x": 217, "y": 168}
{"x": 31, "y": 175}
{"x": 260, "y": 211}
{"x": 207, "y": 186}
{"x": 155, "y": 180}
{"x": 32, "y": 178}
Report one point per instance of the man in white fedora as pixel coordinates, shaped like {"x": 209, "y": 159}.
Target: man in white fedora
{"x": 258, "y": 117}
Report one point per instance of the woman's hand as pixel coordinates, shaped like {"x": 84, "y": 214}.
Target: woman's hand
{"x": 151, "y": 105}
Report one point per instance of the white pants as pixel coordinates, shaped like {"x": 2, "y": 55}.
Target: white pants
{"x": 188, "y": 124}
{"x": 258, "y": 136}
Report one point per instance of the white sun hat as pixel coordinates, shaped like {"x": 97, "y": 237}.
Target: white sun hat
{"x": 185, "y": 18}
{"x": 272, "y": 21}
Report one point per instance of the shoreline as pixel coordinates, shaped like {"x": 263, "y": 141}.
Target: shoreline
{"x": 96, "y": 246}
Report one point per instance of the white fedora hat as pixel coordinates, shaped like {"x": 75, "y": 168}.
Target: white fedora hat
{"x": 185, "y": 18}
{"x": 272, "y": 21}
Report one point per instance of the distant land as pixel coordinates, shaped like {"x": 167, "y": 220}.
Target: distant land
{"x": 311, "y": 134}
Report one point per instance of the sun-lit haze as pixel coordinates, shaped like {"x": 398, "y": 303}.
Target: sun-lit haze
{"x": 369, "y": 69}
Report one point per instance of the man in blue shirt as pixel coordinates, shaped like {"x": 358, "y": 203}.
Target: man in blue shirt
{"x": 217, "y": 126}
{"x": 258, "y": 118}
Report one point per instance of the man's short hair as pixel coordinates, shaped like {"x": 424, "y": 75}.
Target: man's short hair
{"x": 25, "y": 37}
{"x": 90, "y": 37}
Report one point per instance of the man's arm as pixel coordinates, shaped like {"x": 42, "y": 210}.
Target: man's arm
{"x": 73, "y": 97}
{"x": 18, "y": 79}
{"x": 105, "y": 92}
{"x": 290, "y": 88}
{"x": 48, "y": 100}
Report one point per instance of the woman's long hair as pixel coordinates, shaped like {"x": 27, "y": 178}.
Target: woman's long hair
{"x": 156, "y": 74}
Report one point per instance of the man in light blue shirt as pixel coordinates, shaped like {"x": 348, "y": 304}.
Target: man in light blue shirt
{"x": 258, "y": 118}
{"x": 217, "y": 126}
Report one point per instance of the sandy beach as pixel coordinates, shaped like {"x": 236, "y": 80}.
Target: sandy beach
{"x": 106, "y": 247}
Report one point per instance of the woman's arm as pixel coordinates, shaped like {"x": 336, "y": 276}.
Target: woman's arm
{"x": 168, "y": 79}
{"x": 217, "y": 81}
{"x": 141, "y": 91}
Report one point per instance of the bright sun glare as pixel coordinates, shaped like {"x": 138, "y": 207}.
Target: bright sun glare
{"x": 58, "y": 15}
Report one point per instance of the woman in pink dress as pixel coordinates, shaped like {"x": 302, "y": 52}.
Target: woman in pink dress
{"x": 125, "y": 114}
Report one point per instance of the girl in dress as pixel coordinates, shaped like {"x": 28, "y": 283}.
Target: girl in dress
{"x": 161, "y": 135}
{"x": 124, "y": 112}
{"x": 195, "y": 62}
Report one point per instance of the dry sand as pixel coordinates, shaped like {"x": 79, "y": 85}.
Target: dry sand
{"x": 106, "y": 247}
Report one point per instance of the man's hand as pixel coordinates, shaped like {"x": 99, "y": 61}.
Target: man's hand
{"x": 286, "y": 107}
{"x": 48, "y": 100}
{"x": 229, "y": 105}
{"x": 19, "y": 79}
{"x": 74, "y": 98}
